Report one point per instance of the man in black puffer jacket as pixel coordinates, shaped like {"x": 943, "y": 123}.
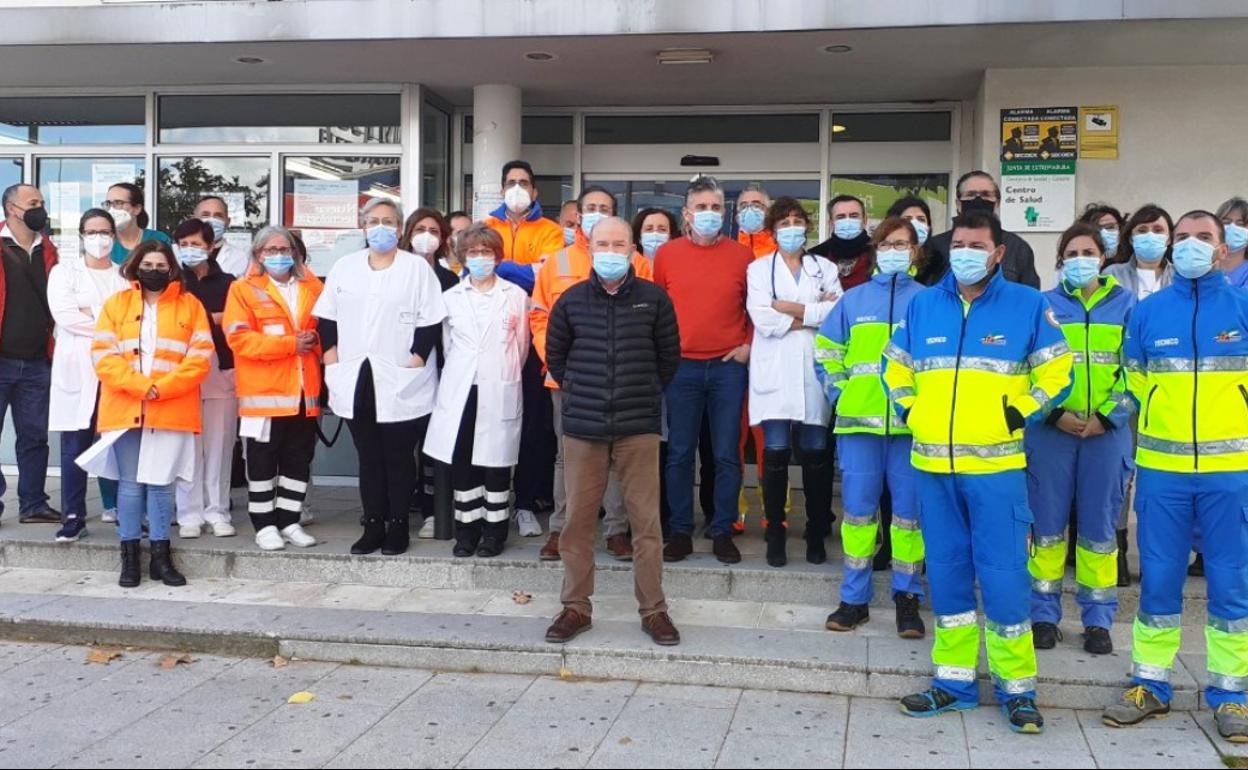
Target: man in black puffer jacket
{"x": 612, "y": 345}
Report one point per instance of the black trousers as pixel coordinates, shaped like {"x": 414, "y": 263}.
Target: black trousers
{"x": 482, "y": 495}
{"x": 387, "y": 454}
{"x": 535, "y": 473}
{"x": 278, "y": 471}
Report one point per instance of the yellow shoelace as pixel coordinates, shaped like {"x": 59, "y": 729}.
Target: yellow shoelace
{"x": 1135, "y": 696}
{"x": 1238, "y": 709}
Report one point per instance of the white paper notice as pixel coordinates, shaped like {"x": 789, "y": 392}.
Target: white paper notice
{"x": 239, "y": 240}
{"x": 236, "y": 205}
{"x": 326, "y": 203}
{"x": 325, "y": 247}
{"x": 105, "y": 175}
{"x": 65, "y": 204}
{"x": 67, "y": 246}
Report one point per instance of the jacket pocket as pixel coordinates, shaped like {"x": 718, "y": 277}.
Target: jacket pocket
{"x": 1024, "y": 522}
{"x": 1148, "y": 404}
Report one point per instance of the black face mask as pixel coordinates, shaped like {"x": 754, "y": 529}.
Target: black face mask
{"x": 978, "y": 206}
{"x": 154, "y": 280}
{"x": 36, "y": 219}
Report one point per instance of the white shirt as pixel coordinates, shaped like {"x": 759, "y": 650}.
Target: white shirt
{"x": 290, "y": 294}
{"x": 5, "y": 232}
{"x": 147, "y": 338}
{"x": 1149, "y": 282}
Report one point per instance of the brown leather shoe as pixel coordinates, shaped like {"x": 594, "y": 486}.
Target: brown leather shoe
{"x": 567, "y": 626}
{"x": 661, "y": 630}
{"x": 550, "y": 551}
{"x": 677, "y": 548}
{"x": 726, "y": 550}
{"x": 620, "y": 546}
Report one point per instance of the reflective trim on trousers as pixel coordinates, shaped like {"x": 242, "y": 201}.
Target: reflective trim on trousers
{"x": 1012, "y": 631}
{"x": 855, "y": 562}
{"x": 1160, "y": 621}
{"x": 1089, "y": 594}
{"x": 957, "y": 621}
{"x": 1015, "y": 686}
{"x": 1105, "y": 547}
{"x": 1046, "y": 586}
{"x": 955, "y": 673}
{"x": 1149, "y": 672}
{"x": 1229, "y": 683}
{"x": 1228, "y": 626}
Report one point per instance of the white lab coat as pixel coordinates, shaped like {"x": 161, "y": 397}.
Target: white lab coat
{"x": 783, "y": 385}
{"x": 75, "y": 304}
{"x": 377, "y": 313}
{"x": 490, "y": 354}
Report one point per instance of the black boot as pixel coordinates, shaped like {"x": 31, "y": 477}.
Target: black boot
{"x": 817, "y": 480}
{"x": 1124, "y": 569}
{"x": 398, "y": 536}
{"x": 493, "y": 538}
{"x": 162, "y": 565}
{"x": 131, "y": 572}
{"x": 775, "y": 488}
{"x": 374, "y": 536}
{"x": 467, "y": 536}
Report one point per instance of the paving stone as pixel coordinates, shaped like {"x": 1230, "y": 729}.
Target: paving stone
{"x": 781, "y": 730}
{"x": 1176, "y": 741}
{"x": 874, "y": 727}
{"x": 664, "y": 725}
{"x": 992, "y": 744}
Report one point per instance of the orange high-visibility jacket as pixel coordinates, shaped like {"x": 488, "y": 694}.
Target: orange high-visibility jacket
{"x": 562, "y": 270}
{"x": 183, "y": 356}
{"x": 762, "y": 243}
{"x": 535, "y": 236}
{"x": 272, "y": 379}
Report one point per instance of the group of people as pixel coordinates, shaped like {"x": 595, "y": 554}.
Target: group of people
{"x": 980, "y": 427}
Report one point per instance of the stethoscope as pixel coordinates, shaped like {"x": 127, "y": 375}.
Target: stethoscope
{"x": 817, "y": 275}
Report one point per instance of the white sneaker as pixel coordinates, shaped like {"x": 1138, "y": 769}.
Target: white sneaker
{"x": 223, "y": 529}
{"x": 426, "y": 529}
{"x": 269, "y": 539}
{"x": 190, "y": 531}
{"x": 527, "y": 524}
{"x": 109, "y": 516}
{"x": 295, "y": 535}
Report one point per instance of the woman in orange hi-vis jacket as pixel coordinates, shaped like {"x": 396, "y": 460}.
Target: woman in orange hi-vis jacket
{"x": 277, "y": 352}
{"x": 152, "y": 350}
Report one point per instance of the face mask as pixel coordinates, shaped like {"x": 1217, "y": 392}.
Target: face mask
{"x": 218, "y": 228}
{"x": 650, "y": 243}
{"x": 970, "y": 266}
{"x": 517, "y": 199}
{"x": 589, "y": 219}
{"x": 382, "y": 239}
{"x": 279, "y": 264}
{"x": 1149, "y": 247}
{"x": 153, "y": 280}
{"x": 708, "y": 223}
{"x": 98, "y": 246}
{"x": 892, "y": 261}
{"x": 921, "y": 230}
{"x": 791, "y": 239}
{"x": 569, "y": 236}
{"x": 751, "y": 220}
{"x": 1236, "y": 237}
{"x": 424, "y": 244}
{"x": 1193, "y": 258}
{"x": 122, "y": 218}
{"x": 1109, "y": 237}
{"x": 847, "y": 229}
{"x": 480, "y": 268}
{"x": 1080, "y": 271}
{"x": 36, "y": 219}
{"x": 978, "y": 206}
{"x": 190, "y": 256}
{"x": 610, "y": 266}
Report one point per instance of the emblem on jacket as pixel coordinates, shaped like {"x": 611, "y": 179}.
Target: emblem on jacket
{"x": 994, "y": 339}
{"x": 1052, "y": 318}
{"x": 1231, "y": 335}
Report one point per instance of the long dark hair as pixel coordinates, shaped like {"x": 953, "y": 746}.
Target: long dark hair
{"x": 135, "y": 194}
{"x": 444, "y": 230}
{"x": 131, "y": 269}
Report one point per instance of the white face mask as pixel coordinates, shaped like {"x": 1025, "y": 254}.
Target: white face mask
{"x": 517, "y": 199}
{"x": 122, "y": 218}
{"x": 424, "y": 244}
{"x": 98, "y": 245}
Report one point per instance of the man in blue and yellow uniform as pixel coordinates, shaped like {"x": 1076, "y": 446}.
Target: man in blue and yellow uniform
{"x": 977, "y": 359}
{"x": 1186, "y": 356}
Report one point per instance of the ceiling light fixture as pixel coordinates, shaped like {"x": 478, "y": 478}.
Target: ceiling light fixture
{"x": 838, "y": 48}
{"x": 685, "y": 56}
{"x": 251, "y": 60}
{"x": 540, "y": 56}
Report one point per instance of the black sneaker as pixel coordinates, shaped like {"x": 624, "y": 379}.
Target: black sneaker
{"x": 1196, "y": 569}
{"x": 933, "y": 702}
{"x": 1096, "y": 641}
{"x": 848, "y": 617}
{"x": 1023, "y": 716}
{"x": 75, "y": 527}
{"x": 909, "y": 624}
{"x": 1045, "y": 636}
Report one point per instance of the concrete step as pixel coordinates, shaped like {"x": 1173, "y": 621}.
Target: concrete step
{"x": 725, "y": 643}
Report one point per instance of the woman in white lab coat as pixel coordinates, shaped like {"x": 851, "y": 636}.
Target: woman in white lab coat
{"x": 789, "y": 295}
{"x": 380, "y": 316}
{"x": 476, "y": 424}
{"x": 77, "y": 289}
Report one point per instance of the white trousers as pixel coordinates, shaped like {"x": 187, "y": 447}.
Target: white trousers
{"x": 206, "y": 499}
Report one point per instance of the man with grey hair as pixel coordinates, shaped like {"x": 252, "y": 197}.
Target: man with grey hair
{"x": 1234, "y": 216}
{"x": 704, "y": 274}
{"x": 25, "y": 345}
{"x": 752, "y": 205}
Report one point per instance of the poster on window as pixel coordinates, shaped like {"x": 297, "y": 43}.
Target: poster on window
{"x": 105, "y": 175}
{"x": 65, "y": 204}
{"x": 235, "y": 204}
{"x": 879, "y": 191}
{"x": 323, "y": 203}
{"x": 325, "y": 247}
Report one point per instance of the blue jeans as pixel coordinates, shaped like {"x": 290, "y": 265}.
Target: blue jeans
{"x": 718, "y": 387}
{"x": 74, "y": 479}
{"x": 778, "y": 434}
{"x": 25, "y": 385}
{"x": 135, "y": 499}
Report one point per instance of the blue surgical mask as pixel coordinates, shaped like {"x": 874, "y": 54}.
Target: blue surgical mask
{"x": 708, "y": 223}
{"x": 218, "y": 229}
{"x": 1193, "y": 258}
{"x": 650, "y": 243}
{"x": 569, "y": 236}
{"x": 1236, "y": 237}
{"x": 610, "y": 266}
{"x": 589, "y": 219}
{"x": 751, "y": 220}
{"x": 892, "y": 261}
{"x": 1149, "y": 247}
{"x": 921, "y": 230}
{"x": 1109, "y": 237}
{"x": 480, "y": 268}
{"x": 1080, "y": 271}
{"x": 969, "y": 266}
{"x": 847, "y": 229}
{"x": 791, "y": 239}
{"x": 382, "y": 239}
{"x": 278, "y": 264}
{"x": 190, "y": 256}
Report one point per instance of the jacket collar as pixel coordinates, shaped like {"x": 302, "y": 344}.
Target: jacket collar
{"x": 1109, "y": 286}
{"x": 625, "y": 287}
{"x": 902, "y": 278}
{"x": 950, "y": 284}
{"x": 1214, "y": 280}
{"x": 535, "y": 212}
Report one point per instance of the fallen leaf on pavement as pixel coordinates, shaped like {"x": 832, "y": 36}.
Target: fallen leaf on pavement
{"x": 565, "y": 673}
{"x": 103, "y": 657}
{"x": 300, "y": 698}
{"x": 172, "y": 661}
{"x": 345, "y": 697}
{"x": 625, "y": 741}
{"x": 280, "y": 662}
{"x": 520, "y": 597}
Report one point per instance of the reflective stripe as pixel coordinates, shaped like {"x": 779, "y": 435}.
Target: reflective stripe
{"x": 270, "y": 402}
{"x": 265, "y": 507}
{"x": 1160, "y": 621}
{"x": 1151, "y": 673}
{"x": 831, "y": 377}
{"x": 845, "y": 421}
{"x": 237, "y": 326}
{"x": 861, "y": 521}
{"x": 177, "y": 346}
{"x": 968, "y": 450}
{"x": 855, "y": 562}
{"x": 898, "y": 355}
{"x": 1048, "y": 541}
{"x": 99, "y": 355}
{"x": 897, "y": 394}
{"x": 264, "y": 485}
{"x": 161, "y": 365}
{"x": 857, "y": 370}
{"x": 468, "y": 517}
{"x": 1045, "y": 355}
{"x": 1184, "y": 448}
{"x": 1015, "y": 686}
{"x": 105, "y": 336}
{"x": 495, "y": 517}
{"x": 311, "y": 403}
{"x": 1046, "y": 586}
{"x": 497, "y": 497}
{"x": 1104, "y": 547}
{"x": 477, "y": 493}
{"x": 292, "y": 485}
{"x": 1133, "y": 365}
{"x": 201, "y": 337}
{"x": 956, "y": 621}
{"x": 1227, "y": 682}
{"x": 1106, "y": 358}
{"x": 200, "y": 353}
{"x": 1012, "y": 631}
{"x": 565, "y": 264}
{"x": 1209, "y": 364}
{"x": 829, "y": 354}
{"x": 1040, "y": 396}
{"x": 1228, "y": 626}
{"x": 286, "y": 504}
{"x": 955, "y": 674}
{"x": 907, "y": 567}
{"x": 978, "y": 363}
{"x": 1089, "y": 594}
{"x": 907, "y": 525}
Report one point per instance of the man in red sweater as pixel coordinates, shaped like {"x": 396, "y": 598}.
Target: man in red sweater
{"x": 704, "y": 274}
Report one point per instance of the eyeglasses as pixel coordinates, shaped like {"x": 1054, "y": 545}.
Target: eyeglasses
{"x": 116, "y": 204}
{"x": 479, "y": 253}
{"x": 894, "y": 246}
{"x": 755, "y": 206}
{"x": 277, "y": 251}
{"x": 971, "y": 195}
{"x": 160, "y": 268}
{"x": 85, "y": 233}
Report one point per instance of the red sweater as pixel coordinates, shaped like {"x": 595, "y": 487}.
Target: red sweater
{"x": 707, "y": 285}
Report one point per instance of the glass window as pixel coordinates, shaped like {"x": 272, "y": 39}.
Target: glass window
{"x": 242, "y": 182}
{"x": 700, "y": 129}
{"x": 891, "y": 126}
{"x": 274, "y": 118}
{"x": 879, "y": 191}
{"x": 70, "y": 186}
{"x": 535, "y": 129}
{"x": 10, "y": 172}
{"x": 72, "y": 120}
{"x": 435, "y": 158}
{"x": 552, "y": 191}
{"x": 322, "y": 196}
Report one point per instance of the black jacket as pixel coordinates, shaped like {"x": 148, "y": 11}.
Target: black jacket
{"x": 1019, "y": 264}
{"x": 612, "y": 355}
{"x": 211, "y": 291}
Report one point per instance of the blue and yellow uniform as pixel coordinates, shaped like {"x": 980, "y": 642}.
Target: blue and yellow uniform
{"x": 967, "y": 377}
{"x": 1092, "y": 473}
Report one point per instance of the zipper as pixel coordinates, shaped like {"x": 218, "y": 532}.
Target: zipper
{"x": 610, "y": 361}
{"x": 888, "y": 410}
{"x": 1244, "y": 392}
{"x": 957, "y": 369}
{"x": 1087, "y": 355}
{"x": 1195, "y": 377}
{"x": 1148, "y": 405}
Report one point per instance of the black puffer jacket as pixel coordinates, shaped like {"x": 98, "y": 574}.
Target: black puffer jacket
{"x": 612, "y": 355}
